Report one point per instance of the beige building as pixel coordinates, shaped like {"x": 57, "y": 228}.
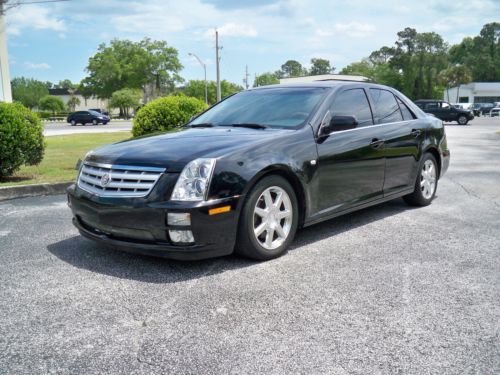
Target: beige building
{"x": 85, "y": 103}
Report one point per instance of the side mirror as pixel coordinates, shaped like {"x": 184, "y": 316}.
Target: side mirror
{"x": 339, "y": 123}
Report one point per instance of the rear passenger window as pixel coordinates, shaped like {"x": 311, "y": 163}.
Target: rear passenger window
{"x": 353, "y": 103}
{"x": 407, "y": 114}
{"x": 432, "y": 106}
{"x": 386, "y": 107}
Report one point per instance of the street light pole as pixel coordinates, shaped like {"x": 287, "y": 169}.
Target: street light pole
{"x": 217, "y": 62}
{"x": 205, "y": 70}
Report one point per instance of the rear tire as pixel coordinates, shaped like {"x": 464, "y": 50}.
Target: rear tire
{"x": 269, "y": 219}
{"x": 73, "y": 123}
{"x": 462, "y": 120}
{"x": 425, "y": 184}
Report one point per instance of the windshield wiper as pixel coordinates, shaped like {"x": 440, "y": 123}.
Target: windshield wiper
{"x": 247, "y": 125}
{"x": 202, "y": 125}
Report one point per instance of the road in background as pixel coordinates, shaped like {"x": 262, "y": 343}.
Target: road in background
{"x": 63, "y": 128}
{"x": 387, "y": 290}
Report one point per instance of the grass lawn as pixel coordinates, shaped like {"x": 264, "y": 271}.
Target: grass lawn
{"x": 61, "y": 155}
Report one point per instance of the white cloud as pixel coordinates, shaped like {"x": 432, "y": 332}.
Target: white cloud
{"x": 232, "y": 29}
{"x": 36, "y": 66}
{"x": 33, "y": 17}
{"x": 351, "y": 29}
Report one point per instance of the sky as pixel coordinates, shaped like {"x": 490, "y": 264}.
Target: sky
{"x": 53, "y": 41}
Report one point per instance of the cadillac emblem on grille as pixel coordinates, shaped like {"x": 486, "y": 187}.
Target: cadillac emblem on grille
{"x": 105, "y": 179}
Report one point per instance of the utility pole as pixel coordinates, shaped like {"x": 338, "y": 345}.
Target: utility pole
{"x": 205, "y": 70}
{"x": 245, "y": 81}
{"x": 217, "y": 61}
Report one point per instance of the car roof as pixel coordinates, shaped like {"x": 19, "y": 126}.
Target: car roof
{"x": 322, "y": 84}
{"x": 431, "y": 100}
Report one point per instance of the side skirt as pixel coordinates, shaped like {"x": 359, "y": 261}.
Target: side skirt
{"x": 312, "y": 221}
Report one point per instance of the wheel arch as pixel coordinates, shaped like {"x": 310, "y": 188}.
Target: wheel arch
{"x": 291, "y": 177}
{"x": 433, "y": 150}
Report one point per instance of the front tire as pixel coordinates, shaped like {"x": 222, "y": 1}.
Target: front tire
{"x": 462, "y": 120}
{"x": 269, "y": 219}
{"x": 94, "y": 122}
{"x": 426, "y": 183}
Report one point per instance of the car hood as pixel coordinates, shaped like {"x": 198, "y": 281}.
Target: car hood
{"x": 174, "y": 150}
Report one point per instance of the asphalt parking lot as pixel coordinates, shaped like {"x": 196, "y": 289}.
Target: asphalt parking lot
{"x": 63, "y": 128}
{"x": 387, "y": 290}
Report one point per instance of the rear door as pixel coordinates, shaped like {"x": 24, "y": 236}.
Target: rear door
{"x": 403, "y": 134}
{"x": 351, "y": 162}
{"x": 446, "y": 112}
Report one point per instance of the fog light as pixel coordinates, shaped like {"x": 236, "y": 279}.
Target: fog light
{"x": 184, "y": 236}
{"x": 175, "y": 218}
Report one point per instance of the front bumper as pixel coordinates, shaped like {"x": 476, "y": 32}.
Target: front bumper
{"x": 140, "y": 226}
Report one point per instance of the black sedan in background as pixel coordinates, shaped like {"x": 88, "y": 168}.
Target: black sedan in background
{"x": 87, "y": 117}
{"x": 248, "y": 172}
{"x": 445, "y": 111}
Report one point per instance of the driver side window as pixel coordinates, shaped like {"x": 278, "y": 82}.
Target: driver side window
{"x": 445, "y": 105}
{"x": 353, "y": 102}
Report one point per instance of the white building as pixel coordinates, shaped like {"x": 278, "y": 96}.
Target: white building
{"x": 474, "y": 92}
{"x": 89, "y": 103}
{"x": 324, "y": 77}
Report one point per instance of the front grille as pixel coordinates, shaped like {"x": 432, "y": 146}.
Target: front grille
{"x": 107, "y": 180}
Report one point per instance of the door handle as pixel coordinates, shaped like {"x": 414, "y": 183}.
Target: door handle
{"x": 415, "y": 132}
{"x": 376, "y": 143}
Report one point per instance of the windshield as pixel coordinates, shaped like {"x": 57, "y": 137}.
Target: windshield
{"x": 277, "y": 107}
{"x": 95, "y": 113}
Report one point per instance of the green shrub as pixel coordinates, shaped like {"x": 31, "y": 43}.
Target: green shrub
{"x": 21, "y": 138}
{"x": 166, "y": 114}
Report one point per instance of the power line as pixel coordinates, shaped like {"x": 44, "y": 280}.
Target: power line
{"x": 7, "y": 5}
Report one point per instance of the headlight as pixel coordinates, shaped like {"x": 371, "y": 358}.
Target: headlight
{"x": 194, "y": 180}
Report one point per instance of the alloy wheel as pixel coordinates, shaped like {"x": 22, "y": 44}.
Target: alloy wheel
{"x": 428, "y": 179}
{"x": 272, "y": 217}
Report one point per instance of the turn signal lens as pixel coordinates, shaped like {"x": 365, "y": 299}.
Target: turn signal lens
{"x": 178, "y": 218}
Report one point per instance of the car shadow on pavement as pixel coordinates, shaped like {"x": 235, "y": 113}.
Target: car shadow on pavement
{"x": 85, "y": 254}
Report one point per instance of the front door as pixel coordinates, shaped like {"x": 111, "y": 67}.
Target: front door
{"x": 351, "y": 162}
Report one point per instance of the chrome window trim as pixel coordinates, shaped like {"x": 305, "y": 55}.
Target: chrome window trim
{"x": 369, "y": 126}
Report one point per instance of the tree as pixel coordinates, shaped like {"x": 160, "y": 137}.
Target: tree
{"x": 265, "y": 79}
{"x": 480, "y": 54}
{"x": 73, "y": 101}
{"x": 196, "y": 89}
{"x": 292, "y": 68}
{"x": 28, "y": 91}
{"x": 149, "y": 65}
{"x": 320, "y": 66}
{"x": 65, "y": 84}
{"x": 51, "y": 103}
{"x": 125, "y": 99}
{"x": 454, "y": 77}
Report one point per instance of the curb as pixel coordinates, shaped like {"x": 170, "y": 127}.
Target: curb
{"x": 23, "y": 191}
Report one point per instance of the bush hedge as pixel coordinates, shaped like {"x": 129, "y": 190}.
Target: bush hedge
{"x": 165, "y": 114}
{"x": 21, "y": 138}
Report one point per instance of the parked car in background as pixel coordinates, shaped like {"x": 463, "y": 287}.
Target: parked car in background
{"x": 495, "y": 112}
{"x": 445, "y": 111}
{"x": 482, "y": 108}
{"x": 87, "y": 117}
{"x": 255, "y": 167}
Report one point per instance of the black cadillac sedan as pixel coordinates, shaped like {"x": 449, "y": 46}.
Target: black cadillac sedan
{"x": 248, "y": 172}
